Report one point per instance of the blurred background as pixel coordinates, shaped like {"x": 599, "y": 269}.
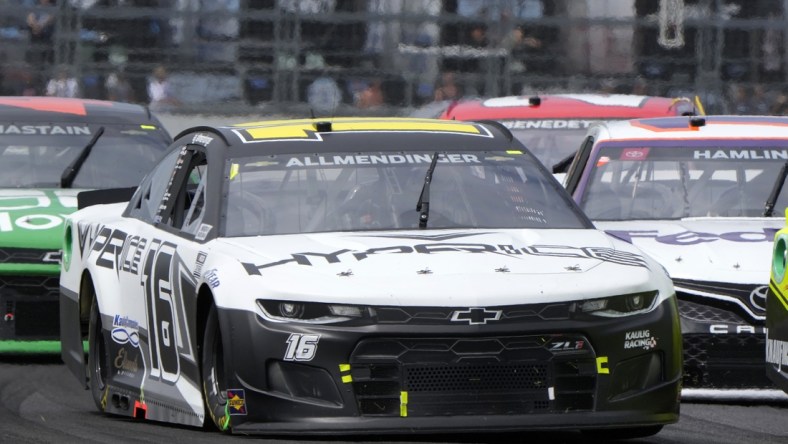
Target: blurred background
{"x": 391, "y": 57}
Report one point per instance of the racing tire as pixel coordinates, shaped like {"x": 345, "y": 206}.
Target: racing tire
{"x": 213, "y": 377}
{"x": 604, "y": 435}
{"x": 98, "y": 357}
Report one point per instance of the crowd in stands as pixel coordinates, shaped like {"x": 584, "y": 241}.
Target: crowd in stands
{"x": 370, "y": 54}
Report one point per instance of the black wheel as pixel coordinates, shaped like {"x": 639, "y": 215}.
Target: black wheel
{"x": 603, "y": 435}
{"x": 213, "y": 378}
{"x": 98, "y": 358}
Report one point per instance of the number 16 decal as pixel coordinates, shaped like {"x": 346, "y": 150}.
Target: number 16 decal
{"x": 162, "y": 321}
{"x": 301, "y": 347}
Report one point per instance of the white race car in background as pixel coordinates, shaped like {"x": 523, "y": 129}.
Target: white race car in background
{"x": 365, "y": 276}
{"x": 702, "y": 196}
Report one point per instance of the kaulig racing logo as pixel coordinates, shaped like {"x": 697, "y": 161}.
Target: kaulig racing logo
{"x": 639, "y": 339}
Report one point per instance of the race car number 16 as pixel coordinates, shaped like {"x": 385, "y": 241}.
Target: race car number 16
{"x": 301, "y": 347}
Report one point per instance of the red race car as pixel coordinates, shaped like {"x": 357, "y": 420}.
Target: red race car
{"x": 553, "y": 126}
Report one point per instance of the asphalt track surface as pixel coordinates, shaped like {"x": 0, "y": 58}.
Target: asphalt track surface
{"x": 41, "y": 402}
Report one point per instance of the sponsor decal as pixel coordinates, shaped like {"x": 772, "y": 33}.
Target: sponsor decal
{"x": 553, "y": 124}
{"x": 558, "y": 346}
{"x": 236, "y": 401}
{"x": 345, "y": 255}
{"x": 117, "y": 250}
{"x": 301, "y": 347}
{"x": 45, "y": 130}
{"x": 125, "y": 331}
{"x": 124, "y": 365}
{"x": 52, "y": 257}
{"x": 198, "y": 263}
{"x": 124, "y": 336}
{"x": 724, "y": 329}
{"x": 381, "y": 159}
{"x": 758, "y": 298}
{"x": 738, "y": 154}
{"x": 476, "y": 316}
{"x": 201, "y": 139}
{"x": 202, "y": 232}
{"x": 639, "y": 339}
{"x": 24, "y": 199}
{"x": 693, "y": 238}
{"x": 777, "y": 353}
{"x": 212, "y": 278}
{"x": 30, "y": 221}
{"x": 634, "y": 154}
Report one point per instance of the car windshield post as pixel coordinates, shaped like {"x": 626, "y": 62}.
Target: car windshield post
{"x": 67, "y": 178}
{"x": 776, "y": 189}
{"x": 423, "y": 205}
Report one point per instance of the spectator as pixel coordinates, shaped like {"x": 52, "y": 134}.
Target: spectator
{"x": 371, "y": 97}
{"x": 740, "y": 100}
{"x": 160, "y": 91}
{"x": 759, "y": 103}
{"x": 447, "y": 88}
{"x": 780, "y": 105}
{"x": 63, "y": 84}
{"x": 41, "y": 25}
{"x": 118, "y": 87}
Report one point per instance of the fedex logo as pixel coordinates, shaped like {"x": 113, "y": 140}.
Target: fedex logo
{"x": 695, "y": 237}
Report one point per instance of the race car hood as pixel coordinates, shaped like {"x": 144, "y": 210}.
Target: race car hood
{"x": 33, "y": 218}
{"x": 462, "y": 268}
{"x": 736, "y": 250}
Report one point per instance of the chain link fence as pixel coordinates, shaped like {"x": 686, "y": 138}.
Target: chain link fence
{"x": 391, "y": 56}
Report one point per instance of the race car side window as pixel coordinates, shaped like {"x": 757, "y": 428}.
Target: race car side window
{"x": 194, "y": 195}
{"x": 183, "y": 199}
{"x": 145, "y": 202}
{"x": 578, "y": 164}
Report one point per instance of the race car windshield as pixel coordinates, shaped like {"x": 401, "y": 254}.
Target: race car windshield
{"x": 551, "y": 146}
{"x": 647, "y": 182}
{"x": 120, "y": 157}
{"x": 306, "y": 193}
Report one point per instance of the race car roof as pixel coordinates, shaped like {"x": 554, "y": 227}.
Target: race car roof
{"x": 400, "y": 134}
{"x": 575, "y": 106}
{"x": 698, "y": 127}
{"x": 66, "y": 110}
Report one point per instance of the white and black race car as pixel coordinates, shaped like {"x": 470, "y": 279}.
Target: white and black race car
{"x": 704, "y": 197}
{"x": 364, "y": 275}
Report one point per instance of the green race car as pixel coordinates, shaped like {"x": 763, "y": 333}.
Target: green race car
{"x": 50, "y": 149}
{"x": 777, "y": 312}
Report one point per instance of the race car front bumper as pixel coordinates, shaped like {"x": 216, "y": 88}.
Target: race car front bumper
{"x": 429, "y": 377}
{"x": 30, "y": 307}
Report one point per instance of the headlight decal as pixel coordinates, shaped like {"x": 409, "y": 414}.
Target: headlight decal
{"x": 310, "y": 312}
{"x": 619, "y": 305}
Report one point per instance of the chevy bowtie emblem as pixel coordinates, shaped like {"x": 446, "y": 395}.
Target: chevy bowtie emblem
{"x": 476, "y": 315}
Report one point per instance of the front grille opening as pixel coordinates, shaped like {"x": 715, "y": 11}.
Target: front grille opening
{"x": 472, "y": 376}
{"x": 486, "y": 377}
{"x": 725, "y": 361}
{"x": 39, "y": 319}
{"x": 706, "y": 313}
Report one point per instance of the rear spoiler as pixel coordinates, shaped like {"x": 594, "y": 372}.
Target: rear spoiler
{"x": 106, "y": 196}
